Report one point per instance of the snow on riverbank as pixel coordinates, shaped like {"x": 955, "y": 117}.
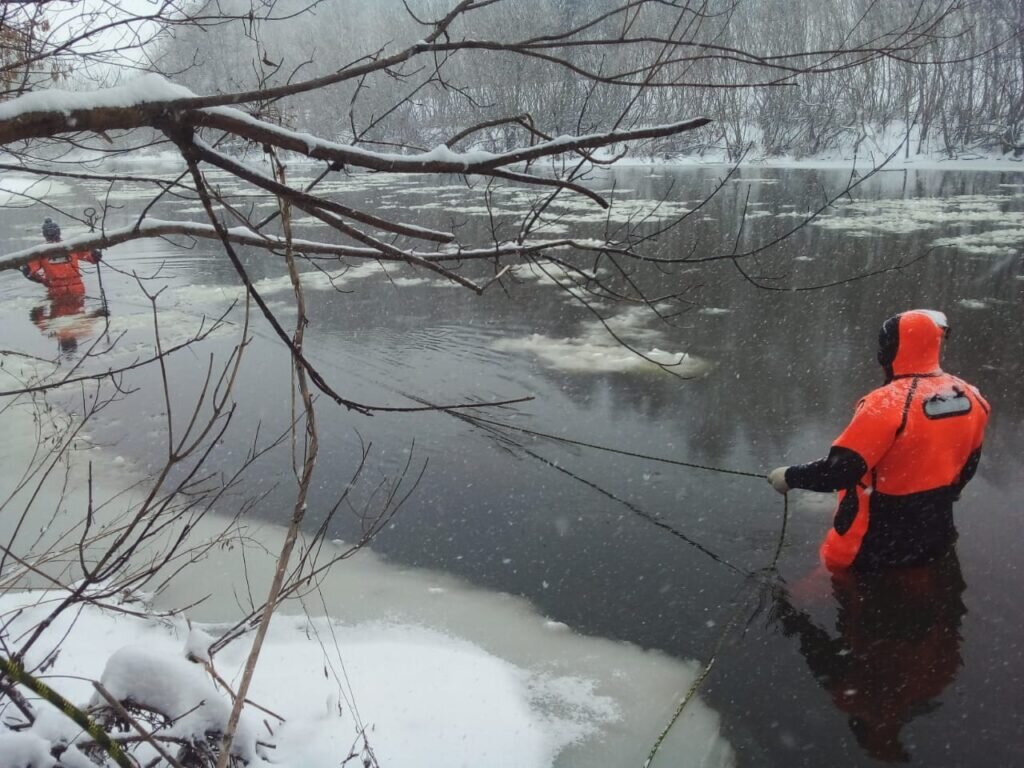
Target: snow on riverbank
{"x": 434, "y": 672}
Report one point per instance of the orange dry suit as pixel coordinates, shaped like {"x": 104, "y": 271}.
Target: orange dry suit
{"x": 912, "y": 446}
{"x": 60, "y": 274}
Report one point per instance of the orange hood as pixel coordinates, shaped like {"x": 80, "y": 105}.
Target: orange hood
{"x": 910, "y": 343}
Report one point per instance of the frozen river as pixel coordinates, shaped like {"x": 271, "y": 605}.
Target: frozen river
{"x": 843, "y": 672}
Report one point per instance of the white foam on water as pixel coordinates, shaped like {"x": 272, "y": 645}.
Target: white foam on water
{"x": 200, "y": 295}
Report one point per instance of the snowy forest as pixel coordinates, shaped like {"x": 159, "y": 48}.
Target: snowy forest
{"x": 396, "y": 383}
{"x": 960, "y": 90}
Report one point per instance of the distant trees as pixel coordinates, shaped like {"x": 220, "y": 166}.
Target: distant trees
{"x": 829, "y": 74}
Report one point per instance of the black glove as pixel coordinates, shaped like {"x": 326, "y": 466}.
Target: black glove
{"x": 98, "y": 255}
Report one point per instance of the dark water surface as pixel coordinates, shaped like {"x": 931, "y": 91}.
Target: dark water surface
{"x": 925, "y": 666}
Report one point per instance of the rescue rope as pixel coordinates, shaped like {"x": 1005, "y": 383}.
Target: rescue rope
{"x": 652, "y": 519}
{"x": 90, "y": 218}
{"x": 619, "y": 451}
{"x": 719, "y": 642}
{"x": 103, "y": 298}
{"x": 742, "y": 605}
{"x": 494, "y": 426}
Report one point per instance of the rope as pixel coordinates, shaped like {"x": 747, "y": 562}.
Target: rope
{"x": 620, "y": 452}
{"x": 640, "y": 513}
{"x": 741, "y": 608}
{"x": 695, "y": 686}
{"x": 706, "y": 670}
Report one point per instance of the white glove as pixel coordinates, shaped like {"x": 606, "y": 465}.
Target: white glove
{"x": 777, "y": 479}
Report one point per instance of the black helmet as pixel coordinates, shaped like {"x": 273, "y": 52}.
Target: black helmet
{"x": 51, "y": 230}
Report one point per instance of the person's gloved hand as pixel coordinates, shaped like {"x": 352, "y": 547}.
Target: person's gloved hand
{"x": 97, "y": 254}
{"x": 777, "y": 479}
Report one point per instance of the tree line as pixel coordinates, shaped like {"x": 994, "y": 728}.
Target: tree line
{"x": 778, "y": 77}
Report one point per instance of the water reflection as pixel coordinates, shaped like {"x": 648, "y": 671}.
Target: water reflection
{"x": 65, "y": 319}
{"x": 895, "y": 649}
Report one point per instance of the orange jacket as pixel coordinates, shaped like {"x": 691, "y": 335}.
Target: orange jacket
{"x": 920, "y": 439}
{"x": 60, "y": 274}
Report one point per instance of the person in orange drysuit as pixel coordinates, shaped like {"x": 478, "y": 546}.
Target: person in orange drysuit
{"x": 896, "y": 650}
{"x": 912, "y": 446}
{"x": 60, "y": 273}
{"x": 63, "y": 280}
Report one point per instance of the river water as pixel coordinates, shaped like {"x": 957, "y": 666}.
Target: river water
{"x": 924, "y": 666}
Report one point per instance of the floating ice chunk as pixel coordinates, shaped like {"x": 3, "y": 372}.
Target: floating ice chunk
{"x": 972, "y": 304}
{"x": 993, "y": 242}
{"x": 581, "y": 356}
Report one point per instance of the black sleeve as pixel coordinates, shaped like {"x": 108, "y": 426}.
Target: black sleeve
{"x": 842, "y": 468}
{"x": 970, "y": 467}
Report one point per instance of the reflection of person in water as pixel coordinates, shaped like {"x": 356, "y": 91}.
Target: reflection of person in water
{"x": 66, "y": 318}
{"x": 897, "y": 649}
